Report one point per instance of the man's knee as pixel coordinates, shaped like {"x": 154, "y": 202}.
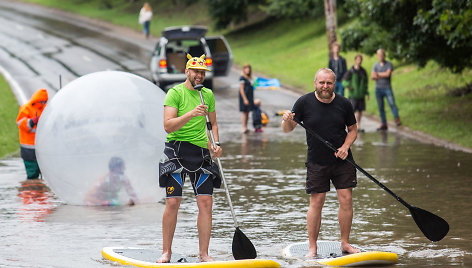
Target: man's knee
{"x": 173, "y": 203}
{"x": 317, "y": 200}
{"x": 204, "y": 202}
{"x": 345, "y": 198}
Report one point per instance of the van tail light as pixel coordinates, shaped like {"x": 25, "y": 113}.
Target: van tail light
{"x": 208, "y": 62}
{"x": 163, "y": 63}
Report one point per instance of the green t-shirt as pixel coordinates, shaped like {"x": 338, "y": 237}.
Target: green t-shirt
{"x": 185, "y": 100}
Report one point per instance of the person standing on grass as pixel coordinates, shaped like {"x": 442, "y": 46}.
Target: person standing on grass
{"x": 145, "y": 16}
{"x": 382, "y": 73}
{"x": 187, "y": 154}
{"x": 329, "y": 115}
{"x": 356, "y": 81}
{"x": 246, "y": 95}
{"x": 338, "y": 65}
{"x": 27, "y": 121}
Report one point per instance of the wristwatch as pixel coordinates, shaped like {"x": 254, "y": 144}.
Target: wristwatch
{"x": 217, "y": 143}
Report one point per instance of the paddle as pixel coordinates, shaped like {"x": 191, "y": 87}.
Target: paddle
{"x": 242, "y": 246}
{"x": 433, "y": 227}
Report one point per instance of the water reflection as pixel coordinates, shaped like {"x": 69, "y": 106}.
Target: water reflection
{"x": 35, "y": 201}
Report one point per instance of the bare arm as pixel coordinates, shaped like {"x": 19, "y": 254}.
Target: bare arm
{"x": 287, "y": 122}
{"x": 173, "y": 123}
{"x": 350, "y": 138}
{"x": 385, "y": 74}
{"x": 243, "y": 95}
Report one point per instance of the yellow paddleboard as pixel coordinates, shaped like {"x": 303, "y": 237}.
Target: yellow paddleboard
{"x": 140, "y": 257}
{"x": 330, "y": 254}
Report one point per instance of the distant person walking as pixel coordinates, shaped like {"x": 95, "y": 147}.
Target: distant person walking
{"x": 382, "y": 73}
{"x": 27, "y": 120}
{"x": 331, "y": 116}
{"x": 338, "y": 65}
{"x": 145, "y": 16}
{"x": 246, "y": 95}
{"x": 356, "y": 81}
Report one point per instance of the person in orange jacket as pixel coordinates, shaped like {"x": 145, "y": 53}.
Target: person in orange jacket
{"x": 27, "y": 120}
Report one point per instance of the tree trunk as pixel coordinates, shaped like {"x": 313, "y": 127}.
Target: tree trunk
{"x": 330, "y": 15}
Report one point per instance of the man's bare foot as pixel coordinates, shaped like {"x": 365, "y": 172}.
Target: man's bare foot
{"x": 165, "y": 258}
{"x": 206, "y": 258}
{"x": 311, "y": 253}
{"x": 347, "y": 248}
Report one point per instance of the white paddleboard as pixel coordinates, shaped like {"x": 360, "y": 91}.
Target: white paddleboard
{"x": 330, "y": 253}
{"x": 141, "y": 257}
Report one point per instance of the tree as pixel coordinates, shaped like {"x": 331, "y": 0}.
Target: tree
{"x": 413, "y": 31}
{"x": 331, "y": 23}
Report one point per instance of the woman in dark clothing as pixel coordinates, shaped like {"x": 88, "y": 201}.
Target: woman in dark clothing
{"x": 246, "y": 95}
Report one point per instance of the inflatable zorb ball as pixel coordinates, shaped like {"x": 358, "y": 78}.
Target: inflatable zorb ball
{"x": 99, "y": 140}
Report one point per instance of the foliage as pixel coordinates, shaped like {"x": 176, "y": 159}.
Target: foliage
{"x": 226, "y": 12}
{"x": 413, "y": 31}
{"x": 294, "y": 8}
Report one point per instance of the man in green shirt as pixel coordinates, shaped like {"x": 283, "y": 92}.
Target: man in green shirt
{"x": 356, "y": 81}
{"x": 187, "y": 154}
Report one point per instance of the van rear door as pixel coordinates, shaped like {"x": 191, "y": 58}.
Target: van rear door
{"x": 221, "y": 55}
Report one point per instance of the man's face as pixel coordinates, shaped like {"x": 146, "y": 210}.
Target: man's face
{"x": 324, "y": 85}
{"x": 335, "y": 49}
{"x": 380, "y": 55}
{"x": 358, "y": 60}
{"x": 195, "y": 76}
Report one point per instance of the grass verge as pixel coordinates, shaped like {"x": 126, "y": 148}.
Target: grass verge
{"x": 9, "y": 142}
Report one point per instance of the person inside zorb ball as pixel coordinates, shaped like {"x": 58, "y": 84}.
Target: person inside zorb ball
{"x": 107, "y": 188}
{"x": 100, "y": 138}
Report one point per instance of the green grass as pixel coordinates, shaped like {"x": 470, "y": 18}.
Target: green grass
{"x": 125, "y": 13}
{"x": 292, "y": 51}
{"x": 9, "y": 142}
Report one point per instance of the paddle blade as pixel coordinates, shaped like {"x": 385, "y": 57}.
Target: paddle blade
{"x": 242, "y": 246}
{"x": 433, "y": 227}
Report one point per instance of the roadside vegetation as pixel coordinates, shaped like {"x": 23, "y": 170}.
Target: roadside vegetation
{"x": 431, "y": 99}
{"x": 8, "y": 112}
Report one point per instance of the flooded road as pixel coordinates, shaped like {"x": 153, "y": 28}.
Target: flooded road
{"x": 265, "y": 173}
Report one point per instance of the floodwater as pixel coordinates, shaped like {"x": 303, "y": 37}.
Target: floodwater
{"x": 265, "y": 172}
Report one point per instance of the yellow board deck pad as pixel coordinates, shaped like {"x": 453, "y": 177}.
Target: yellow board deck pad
{"x": 141, "y": 257}
{"x": 329, "y": 253}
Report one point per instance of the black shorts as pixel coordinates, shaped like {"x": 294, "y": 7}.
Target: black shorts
{"x": 358, "y": 104}
{"x": 318, "y": 177}
{"x": 202, "y": 184}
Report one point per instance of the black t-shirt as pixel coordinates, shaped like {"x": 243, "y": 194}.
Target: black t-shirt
{"x": 329, "y": 120}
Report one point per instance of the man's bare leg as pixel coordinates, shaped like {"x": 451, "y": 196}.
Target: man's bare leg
{"x": 204, "y": 203}
{"x": 313, "y": 219}
{"x": 169, "y": 221}
{"x": 345, "y": 216}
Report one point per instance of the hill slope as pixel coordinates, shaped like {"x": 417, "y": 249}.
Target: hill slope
{"x": 293, "y": 50}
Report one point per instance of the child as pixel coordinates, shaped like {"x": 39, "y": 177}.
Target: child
{"x": 259, "y": 118}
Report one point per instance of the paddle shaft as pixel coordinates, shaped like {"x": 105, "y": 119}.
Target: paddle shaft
{"x": 329, "y": 145}
{"x": 212, "y": 139}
